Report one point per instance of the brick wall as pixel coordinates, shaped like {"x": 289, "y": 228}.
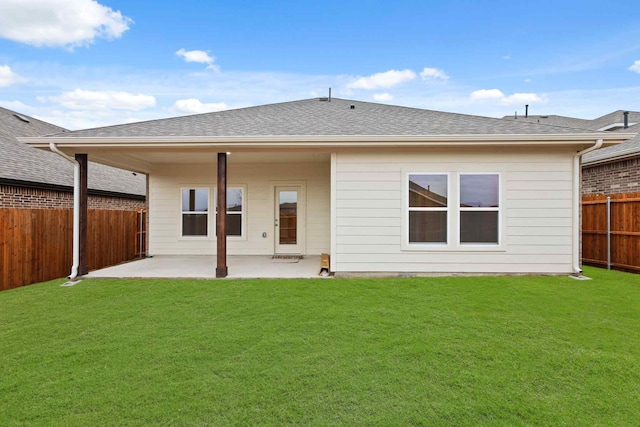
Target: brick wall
{"x": 612, "y": 178}
{"x": 31, "y": 198}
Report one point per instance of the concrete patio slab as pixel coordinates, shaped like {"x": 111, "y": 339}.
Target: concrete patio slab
{"x": 204, "y": 267}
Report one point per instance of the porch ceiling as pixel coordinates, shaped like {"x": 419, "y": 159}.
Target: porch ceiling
{"x": 144, "y": 161}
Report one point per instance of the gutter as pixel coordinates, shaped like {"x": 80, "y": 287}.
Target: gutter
{"x": 577, "y": 270}
{"x": 321, "y": 141}
{"x": 76, "y": 209}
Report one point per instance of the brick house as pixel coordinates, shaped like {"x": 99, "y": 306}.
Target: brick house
{"x": 31, "y": 178}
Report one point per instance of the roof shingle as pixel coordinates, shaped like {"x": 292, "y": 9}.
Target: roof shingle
{"x": 19, "y": 162}
{"x": 322, "y": 117}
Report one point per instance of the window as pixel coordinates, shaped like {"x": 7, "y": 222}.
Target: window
{"x": 235, "y": 212}
{"x": 428, "y": 208}
{"x": 479, "y": 208}
{"x": 195, "y": 211}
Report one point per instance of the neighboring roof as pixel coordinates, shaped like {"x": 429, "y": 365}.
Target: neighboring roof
{"x": 24, "y": 165}
{"x": 628, "y": 148}
{"x": 319, "y": 116}
{"x": 613, "y": 121}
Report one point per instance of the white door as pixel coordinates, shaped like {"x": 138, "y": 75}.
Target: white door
{"x": 289, "y": 220}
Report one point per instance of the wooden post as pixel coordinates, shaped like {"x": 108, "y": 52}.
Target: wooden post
{"x": 83, "y": 267}
{"x": 221, "y": 222}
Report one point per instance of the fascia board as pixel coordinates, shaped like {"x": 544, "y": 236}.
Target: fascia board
{"x": 333, "y": 141}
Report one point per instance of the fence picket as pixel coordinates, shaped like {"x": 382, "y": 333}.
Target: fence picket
{"x": 625, "y": 231}
{"x": 36, "y": 244}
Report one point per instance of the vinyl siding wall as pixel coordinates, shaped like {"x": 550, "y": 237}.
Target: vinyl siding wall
{"x": 165, "y": 186}
{"x": 536, "y": 212}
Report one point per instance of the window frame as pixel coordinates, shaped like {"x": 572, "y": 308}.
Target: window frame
{"x": 461, "y": 209}
{"x": 242, "y": 213}
{"x": 406, "y": 201}
{"x": 453, "y": 217}
{"x": 183, "y": 213}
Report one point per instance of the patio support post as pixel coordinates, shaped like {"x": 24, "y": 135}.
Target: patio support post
{"x": 221, "y": 221}
{"x": 83, "y": 267}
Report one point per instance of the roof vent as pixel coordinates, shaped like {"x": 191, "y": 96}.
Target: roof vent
{"x": 327, "y": 99}
{"x": 20, "y": 117}
{"x": 352, "y": 107}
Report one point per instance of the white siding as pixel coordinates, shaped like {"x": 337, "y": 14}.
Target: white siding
{"x": 165, "y": 216}
{"x": 536, "y": 211}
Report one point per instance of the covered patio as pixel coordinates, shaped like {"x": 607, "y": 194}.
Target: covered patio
{"x": 204, "y": 267}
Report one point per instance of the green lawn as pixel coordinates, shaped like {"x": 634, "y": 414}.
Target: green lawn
{"x": 420, "y": 351}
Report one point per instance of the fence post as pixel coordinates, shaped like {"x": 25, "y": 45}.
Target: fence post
{"x": 608, "y": 233}
{"x": 140, "y": 218}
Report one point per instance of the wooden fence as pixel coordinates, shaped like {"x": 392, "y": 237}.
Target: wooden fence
{"x": 36, "y": 244}
{"x": 625, "y": 231}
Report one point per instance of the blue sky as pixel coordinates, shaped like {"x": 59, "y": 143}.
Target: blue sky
{"x": 85, "y": 63}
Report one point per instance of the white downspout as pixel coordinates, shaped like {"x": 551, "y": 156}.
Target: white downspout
{"x": 576, "y": 204}
{"x": 76, "y": 209}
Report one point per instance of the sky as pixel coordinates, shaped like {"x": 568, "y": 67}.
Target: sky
{"x": 87, "y": 63}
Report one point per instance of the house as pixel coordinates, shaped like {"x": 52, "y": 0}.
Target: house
{"x": 31, "y": 178}
{"x": 614, "y": 170}
{"x": 380, "y": 188}
{"x": 610, "y": 170}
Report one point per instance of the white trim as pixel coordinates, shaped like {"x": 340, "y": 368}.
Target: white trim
{"x": 307, "y": 141}
{"x": 499, "y": 209}
{"x": 302, "y": 212}
{"x": 183, "y": 213}
{"x": 615, "y": 125}
{"x": 334, "y": 213}
{"x": 453, "y": 218}
{"x": 406, "y": 245}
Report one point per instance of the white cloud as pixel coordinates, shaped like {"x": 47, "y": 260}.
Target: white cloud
{"x": 482, "y": 94}
{"x": 382, "y": 80}
{"x": 74, "y": 120}
{"x": 59, "y": 23}
{"x": 199, "y": 56}
{"x": 497, "y": 95}
{"x": 102, "y": 100}
{"x": 527, "y": 80}
{"x": 195, "y": 106}
{"x": 506, "y": 57}
{"x": 18, "y": 106}
{"x": 433, "y": 74}
{"x": 522, "y": 98}
{"x": 8, "y": 77}
{"x": 635, "y": 67}
{"x": 382, "y": 96}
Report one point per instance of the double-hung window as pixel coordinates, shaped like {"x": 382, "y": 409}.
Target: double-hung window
{"x": 235, "y": 211}
{"x": 479, "y": 208}
{"x": 428, "y": 210}
{"x": 195, "y": 211}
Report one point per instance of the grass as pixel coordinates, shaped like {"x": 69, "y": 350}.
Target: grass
{"x": 420, "y": 351}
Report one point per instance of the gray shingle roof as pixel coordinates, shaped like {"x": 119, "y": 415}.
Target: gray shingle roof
{"x": 630, "y": 147}
{"x": 554, "y": 120}
{"x": 627, "y": 148}
{"x": 19, "y": 162}
{"x": 317, "y": 117}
